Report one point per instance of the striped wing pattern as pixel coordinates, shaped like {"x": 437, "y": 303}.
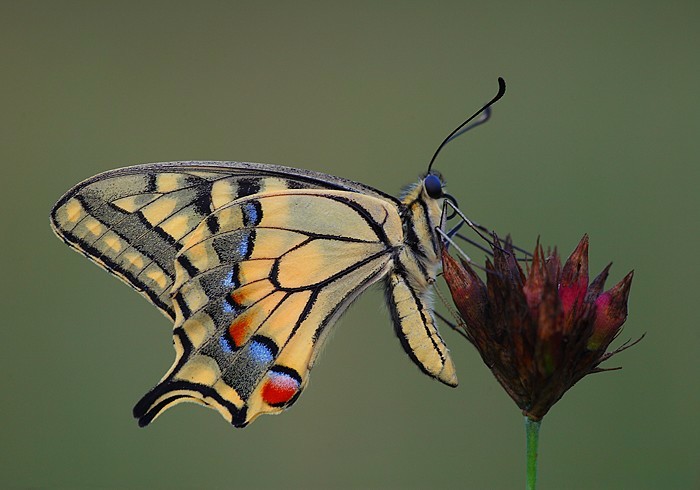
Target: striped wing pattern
{"x": 133, "y": 221}
{"x": 253, "y": 263}
{"x": 256, "y": 288}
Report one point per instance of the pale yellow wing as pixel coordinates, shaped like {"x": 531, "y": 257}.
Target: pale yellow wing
{"x": 258, "y": 287}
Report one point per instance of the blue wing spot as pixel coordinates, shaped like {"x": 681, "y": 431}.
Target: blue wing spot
{"x": 230, "y": 281}
{"x": 260, "y": 353}
{"x": 252, "y": 213}
{"x": 245, "y": 245}
{"x": 234, "y": 247}
{"x": 225, "y": 344}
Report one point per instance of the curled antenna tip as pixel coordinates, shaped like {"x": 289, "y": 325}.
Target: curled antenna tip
{"x": 463, "y": 127}
{"x": 501, "y": 87}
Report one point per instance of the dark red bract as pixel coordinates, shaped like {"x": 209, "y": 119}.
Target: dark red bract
{"x": 541, "y": 330}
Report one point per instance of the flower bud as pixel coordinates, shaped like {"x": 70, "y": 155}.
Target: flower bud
{"x": 610, "y": 313}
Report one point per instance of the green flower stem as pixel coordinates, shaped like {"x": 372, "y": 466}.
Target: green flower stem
{"x": 532, "y": 432}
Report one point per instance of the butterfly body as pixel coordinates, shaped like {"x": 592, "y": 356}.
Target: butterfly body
{"x": 254, "y": 264}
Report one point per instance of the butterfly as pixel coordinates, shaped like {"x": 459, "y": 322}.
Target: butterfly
{"x": 254, "y": 264}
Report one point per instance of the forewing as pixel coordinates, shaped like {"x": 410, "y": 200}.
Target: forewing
{"x": 258, "y": 284}
{"x": 133, "y": 221}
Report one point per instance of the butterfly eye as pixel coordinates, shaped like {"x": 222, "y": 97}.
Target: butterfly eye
{"x": 433, "y": 186}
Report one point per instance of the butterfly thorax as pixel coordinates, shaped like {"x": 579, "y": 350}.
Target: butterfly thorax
{"x": 420, "y": 216}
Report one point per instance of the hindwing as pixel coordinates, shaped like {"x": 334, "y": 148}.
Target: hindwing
{"x": 257, "y": 286}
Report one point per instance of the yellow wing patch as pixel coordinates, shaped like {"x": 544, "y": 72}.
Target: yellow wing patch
{"x": 274, "y": 286}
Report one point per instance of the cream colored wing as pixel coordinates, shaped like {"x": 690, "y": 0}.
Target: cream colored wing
{"x": 258, "y": 285}
{"x": 254, "y": 263}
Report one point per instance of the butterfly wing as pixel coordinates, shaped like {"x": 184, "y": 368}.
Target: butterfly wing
{"x": 133, "y": 221}
{"x": 184, "y": 233}
{"x": 257, "y": 285}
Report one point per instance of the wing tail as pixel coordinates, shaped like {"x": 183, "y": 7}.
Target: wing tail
{"x": 172, "y": 391}
{"x": 160, "y": 398}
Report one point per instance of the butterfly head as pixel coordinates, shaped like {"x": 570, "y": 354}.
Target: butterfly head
{"x": 432, "y": 186}
{"x": 422, "y": 209}
{"x": 429, "y": 189}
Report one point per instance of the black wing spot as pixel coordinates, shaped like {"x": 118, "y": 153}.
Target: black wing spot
{"x": 212, "y": 222}
{"x": 187, "y": 265}
{"x": 182, "y": 304}
{"x": 247, "y": 187}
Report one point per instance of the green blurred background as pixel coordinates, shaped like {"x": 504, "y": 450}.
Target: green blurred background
{"x": 598, "y": 133}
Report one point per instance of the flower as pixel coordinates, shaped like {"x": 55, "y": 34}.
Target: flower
{"x": 542, "y": 330}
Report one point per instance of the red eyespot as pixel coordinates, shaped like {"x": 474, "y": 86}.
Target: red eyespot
{"x": 279, "y": 388}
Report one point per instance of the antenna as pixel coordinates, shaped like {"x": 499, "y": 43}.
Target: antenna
{"x": 486, "y": 110}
